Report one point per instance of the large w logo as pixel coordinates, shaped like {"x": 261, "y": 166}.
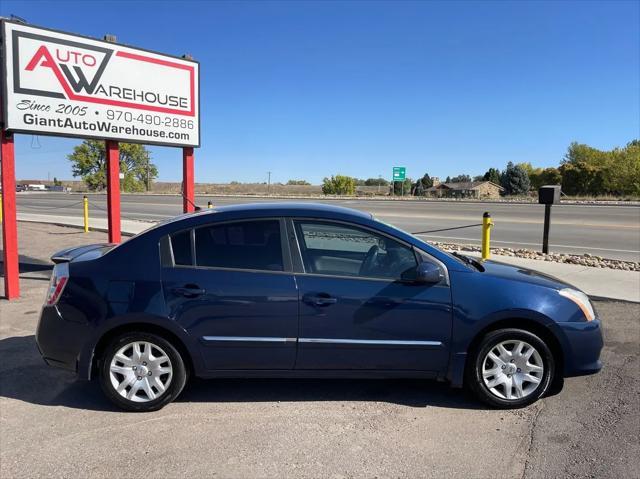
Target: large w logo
{"x": 82, "y": 83}
{"x": 79, "y": 82}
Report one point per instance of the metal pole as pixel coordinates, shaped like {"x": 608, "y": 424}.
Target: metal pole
{"x": 269, "y": 183}
{"x": 545, "y": 234}
{"x": 112, "y": 151}
{"x": 148, "y": 179}
{"x": 85, "y": 208}
{"x": 188, "y": 192}
{"x": 486, "y": 235}
{"x": 9, "y": 223}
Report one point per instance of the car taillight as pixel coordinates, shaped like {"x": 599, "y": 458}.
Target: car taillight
{"x": 59, "y": 278}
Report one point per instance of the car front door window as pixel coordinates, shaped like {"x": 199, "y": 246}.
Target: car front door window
{"x": 343, "y": 250}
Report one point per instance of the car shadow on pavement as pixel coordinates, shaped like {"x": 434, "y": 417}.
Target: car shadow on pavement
{"x": 405, "y": 392}
{"x": 25, "y": 377}
{"x": 27, "y": 264}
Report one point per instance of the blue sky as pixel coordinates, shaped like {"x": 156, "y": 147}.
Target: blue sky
{"x": 310, "y": 89}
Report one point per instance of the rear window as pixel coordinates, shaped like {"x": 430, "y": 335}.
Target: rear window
{"x": 240, "y": 245}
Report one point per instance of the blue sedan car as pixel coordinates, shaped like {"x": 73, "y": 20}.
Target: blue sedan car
{"x": 304, "y": 290}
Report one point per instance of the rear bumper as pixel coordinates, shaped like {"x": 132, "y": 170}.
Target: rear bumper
{"x": 582, "y": 351}
{"x": 59, "y": 341}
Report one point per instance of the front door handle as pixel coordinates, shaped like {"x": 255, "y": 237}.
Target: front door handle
{"x": 321, "y": 299}
{"x": 189, "y": 291}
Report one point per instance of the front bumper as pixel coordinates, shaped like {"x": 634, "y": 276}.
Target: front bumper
{"x": 584, "y": 343}
{"x": 60, "y": 341}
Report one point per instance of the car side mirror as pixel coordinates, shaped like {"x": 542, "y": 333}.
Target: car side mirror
{"x": 428, "y": 273}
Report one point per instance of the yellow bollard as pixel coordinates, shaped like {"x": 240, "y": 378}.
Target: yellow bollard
{"x": 486, "y": 235}
{"x": 209, "y": 205}
{"x": 85, "y": 202}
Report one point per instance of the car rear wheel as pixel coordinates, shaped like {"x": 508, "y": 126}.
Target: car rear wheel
{"x": 511, "y": 368}
{"x": 142, "y": 372}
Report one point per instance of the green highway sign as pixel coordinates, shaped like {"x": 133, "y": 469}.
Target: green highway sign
{"x": 399, "y": 173}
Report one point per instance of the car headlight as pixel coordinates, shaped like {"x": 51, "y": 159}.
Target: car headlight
{"x": 582, "y": 300}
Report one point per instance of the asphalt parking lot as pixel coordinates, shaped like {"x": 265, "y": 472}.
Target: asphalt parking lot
{"x": 54, "y": 426}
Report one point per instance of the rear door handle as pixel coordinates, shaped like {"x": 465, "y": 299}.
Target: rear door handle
{"x": 189, "y": 291}
{"x": 321, "y": 299}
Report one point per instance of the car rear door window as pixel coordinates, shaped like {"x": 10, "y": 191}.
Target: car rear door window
{"x": 181, "y": 247}
{"x": 344, "y": 250}
{"x": 253, "y": 245}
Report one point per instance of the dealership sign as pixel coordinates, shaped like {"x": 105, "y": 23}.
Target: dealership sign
{"x": 61, "y": 84}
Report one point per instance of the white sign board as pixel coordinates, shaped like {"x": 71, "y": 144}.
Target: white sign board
{"x": 61, "y": 84}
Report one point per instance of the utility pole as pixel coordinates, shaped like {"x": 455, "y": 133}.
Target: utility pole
{"x": 379, "y": 182}
{"x": 148, "y": 178}
{"x": 268, "y": 183}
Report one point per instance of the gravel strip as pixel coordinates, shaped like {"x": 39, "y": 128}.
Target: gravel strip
{"x": 579, "y": 259}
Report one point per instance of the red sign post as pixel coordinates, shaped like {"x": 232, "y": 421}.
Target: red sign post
{"x": 188, "y": 198}
{"x": 113, "y": 190}
{"x": 9, "y": 225}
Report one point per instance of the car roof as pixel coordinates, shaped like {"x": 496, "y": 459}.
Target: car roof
{"x": 287, "y": 208}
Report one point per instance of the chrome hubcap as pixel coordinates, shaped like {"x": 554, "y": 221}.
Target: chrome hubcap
{"x": 140, "y": 371}
{"x": 512, "y": 369}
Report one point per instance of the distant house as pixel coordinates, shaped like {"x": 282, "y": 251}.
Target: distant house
{"x": 465, "y": 189}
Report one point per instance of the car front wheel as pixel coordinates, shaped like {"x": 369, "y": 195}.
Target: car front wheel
{"x": 511, "y": 368}
{"x": 142, "y": 372}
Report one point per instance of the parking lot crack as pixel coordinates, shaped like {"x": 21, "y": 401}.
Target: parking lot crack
{"x": 532, "y": 429}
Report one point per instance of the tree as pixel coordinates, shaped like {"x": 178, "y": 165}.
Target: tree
{"x": 339, "y": 185}
{"x": 298, "y": 182}
{"x": 460, "y": 179}
{"x": 526, "y": 166}
{"x": 588, "y": 171}
{"x": 492, "y": 175}
{"x": 56, "y": 182}
{"x": 401, "y": 188}
{"x": 548, "y": 176}
{"x": 515, "y": 180}
{"x": 376, "y": 182}
{"x": 89, "y": 163}
{"x": 448, "y": 179}
{"x": 421, "y": 186}
{"x": 625, "y": 174}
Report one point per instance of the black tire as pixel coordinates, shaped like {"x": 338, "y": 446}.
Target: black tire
{"x": 474, "y": 374}
{"x": 177, "y": 380}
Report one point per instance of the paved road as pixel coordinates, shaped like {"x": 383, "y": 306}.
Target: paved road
{"x": 54, "y": 426}
{"x": 608, "y": 231}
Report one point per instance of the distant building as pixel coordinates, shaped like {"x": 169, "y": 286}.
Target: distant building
{"x": 465, "y": 189}
{"x": 436, "y": 180}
